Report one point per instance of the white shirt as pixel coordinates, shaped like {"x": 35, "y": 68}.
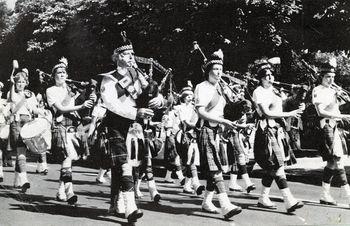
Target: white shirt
{"x": 125, "y": 105}
{"x": 267, "y": 97}
{"x": 203, "y": 94}
{"x": 326, "y": 96}
{"x": 56, "y": 94}
{"x": 29, "y": 105}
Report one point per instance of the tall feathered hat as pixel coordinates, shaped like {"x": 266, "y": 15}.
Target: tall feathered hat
{"x": 123, "y": 43}
{"x": 327, "y": 65}
{"x": 260, "y": 65}
{"x": 187, "y": 90}
{"x": 216, "y": 57}
{"x": 62, "y": 63}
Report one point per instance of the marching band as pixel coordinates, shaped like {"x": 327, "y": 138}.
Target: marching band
{"x": 208, "y": 131}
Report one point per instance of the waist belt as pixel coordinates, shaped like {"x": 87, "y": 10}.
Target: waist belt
{"x": 207, "y": 124}
{"x": 331, "y": 122}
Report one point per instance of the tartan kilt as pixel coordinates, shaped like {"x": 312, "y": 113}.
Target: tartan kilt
{"x": 326, "y": 142}
{"x": 234, "y": 148}
{"x": 117, "y": 146}
{"x": 15, "y": 129}
{"x": 59, "y": 138}
{"x": 170, "y": 152}
{"x": 267, "y": 151}
{"x": 208, "y": 150}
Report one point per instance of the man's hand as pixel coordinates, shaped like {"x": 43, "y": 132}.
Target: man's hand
{"x": 157, "y": 102}
{"x": 144, "y": 113}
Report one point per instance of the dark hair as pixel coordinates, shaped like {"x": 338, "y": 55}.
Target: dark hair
{"x": 207, "y": 70}
{"x": 262, "y": 73}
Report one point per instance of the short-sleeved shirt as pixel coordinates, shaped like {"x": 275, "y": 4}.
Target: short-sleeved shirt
{"x": 267, "y": 97}
{"x": 203, "y": 95}
{"x": 26, "y": 108}
{"x": 327, "y": 96}
{"x": 56, "y": 94}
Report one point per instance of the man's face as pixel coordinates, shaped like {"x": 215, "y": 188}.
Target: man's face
{"x": 126, "y": 58}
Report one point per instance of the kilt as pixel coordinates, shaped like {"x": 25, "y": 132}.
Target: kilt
{"x": 171, "y": 156}
{"x": 332, "y": 143}
{"x": 236, "y": 153}
{"x": 15, "y": 129}
{"x": 59, "y": 138}
{"x": 267, "y": 150}
{"x": 209, "y": 149}
{"x": 103, "y": 148}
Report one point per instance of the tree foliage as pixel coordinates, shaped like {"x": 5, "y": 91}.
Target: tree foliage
{"x": 40, "y": 31}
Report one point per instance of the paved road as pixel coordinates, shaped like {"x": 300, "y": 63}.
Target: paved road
{"x": 38, "y": 206}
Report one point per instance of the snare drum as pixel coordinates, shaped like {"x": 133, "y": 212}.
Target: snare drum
{"x": 4, "y": 132}
{"x": 37, "y": 135}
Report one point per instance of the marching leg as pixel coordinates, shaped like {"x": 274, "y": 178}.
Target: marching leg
{"x": 233, "y": 186}
{"x": 100, "y": 176}
{"x": 264, "y": 200}
{"x": 21, "y": 169}
{"x": 132, "y": 213}
{"x": 168, "y": 178}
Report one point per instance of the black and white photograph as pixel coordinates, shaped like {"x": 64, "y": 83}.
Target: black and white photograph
{"x": 174, "y": 112}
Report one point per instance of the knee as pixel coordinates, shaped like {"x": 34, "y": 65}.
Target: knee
{"x": 66, "y": 175}
{"x": 280, "y": 172}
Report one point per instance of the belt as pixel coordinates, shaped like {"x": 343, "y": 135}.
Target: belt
{"x": 207, "y": 124}
{"x": 331, "y": 122}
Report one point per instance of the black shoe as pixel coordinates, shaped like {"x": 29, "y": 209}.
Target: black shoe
{"x": 44, "y": 172}
{"x": 156, "y": 198}
{"x": 119, "y": 215}
{"x": 1, "y": 179}
{"x": 208, "y": 211}
{"x": 236, "y": 190}
{"x": 182, "y": 182}
{"x": 200, "y": 190}
{"x": 251, "y": 188}
{"x": 233, "y": 212}
{"x": 135, "y": 215}
{"x": 187, "y": 191}
{"x": 298, "y": 205}
{"x": 25, "y": 187}
{"x": 334, "y": 203}
{"x": 72, "y": 200}
{"x": 273, "y": 207}
{"x": 58, "y": 199}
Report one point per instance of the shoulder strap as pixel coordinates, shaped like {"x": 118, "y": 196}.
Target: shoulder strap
{"x": 19, "y": 105}
{"x": 214, "y": 101}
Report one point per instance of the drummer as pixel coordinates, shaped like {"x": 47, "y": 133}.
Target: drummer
{"x": 23, "y": 105}
{"x": 61, "y": 99}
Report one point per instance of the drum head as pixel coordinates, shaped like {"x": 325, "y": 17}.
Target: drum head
{"x": 35, "y": 127}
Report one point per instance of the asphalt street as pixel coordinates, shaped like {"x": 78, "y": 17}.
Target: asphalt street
{"x": 39, "y": 207}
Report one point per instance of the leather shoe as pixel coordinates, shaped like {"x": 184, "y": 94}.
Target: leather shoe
{"x": 251, "y": 188}
{"x": 25, "y": 187}
{"x": 297, "y": 205}
{"x": 135, "y": 215}
{"x": 200, "y": 190}
{"x": 233, "y": 212}
{"x": 72, "y": 200}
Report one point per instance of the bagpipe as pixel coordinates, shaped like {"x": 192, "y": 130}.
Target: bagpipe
{"x": 80, "y": 90}
{"x": 142, "y": 142}
{"x": 237, "y": 87}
